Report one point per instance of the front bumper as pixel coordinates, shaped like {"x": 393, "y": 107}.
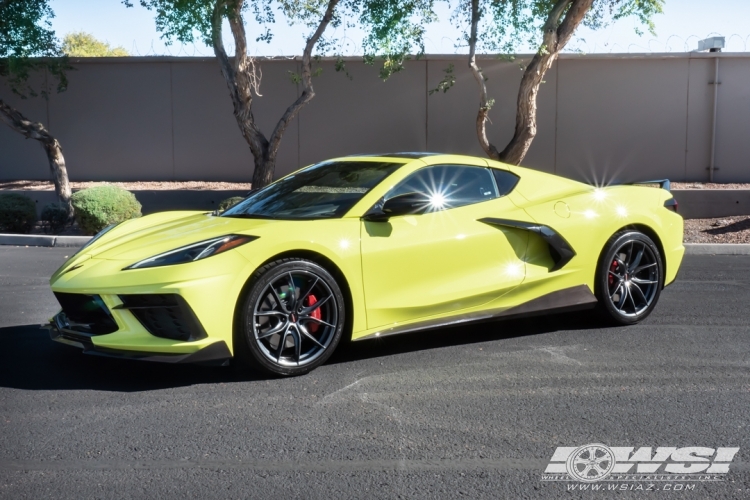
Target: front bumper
{"x": 171, "y": 314}
{"x": 216, "y": 353}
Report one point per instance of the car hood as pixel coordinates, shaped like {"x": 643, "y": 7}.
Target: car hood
{"x": 145, "y": 237}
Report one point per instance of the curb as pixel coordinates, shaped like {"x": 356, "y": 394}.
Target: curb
{"x": 43, "y": 240}
{"x": 717, "y": 249}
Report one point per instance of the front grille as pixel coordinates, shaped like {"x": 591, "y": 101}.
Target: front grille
{"x": 86, "y": 313}
{"x": 165, "y": 315}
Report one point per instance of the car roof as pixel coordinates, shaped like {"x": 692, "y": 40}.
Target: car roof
{"x": 409, "y": 155}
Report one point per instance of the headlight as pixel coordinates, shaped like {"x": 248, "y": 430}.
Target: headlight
{"x": 196, "y": 251}
{"x": 96, "y": 237}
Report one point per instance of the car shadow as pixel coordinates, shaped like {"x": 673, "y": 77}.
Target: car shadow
{"x": 30, "y": 360}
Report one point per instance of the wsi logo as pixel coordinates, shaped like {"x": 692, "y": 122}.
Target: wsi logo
{"x": 597, "y": 462}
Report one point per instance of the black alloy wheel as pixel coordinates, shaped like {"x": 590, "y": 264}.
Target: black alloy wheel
{"x": 629, "y": 277}
{"x": 292, "y": 319}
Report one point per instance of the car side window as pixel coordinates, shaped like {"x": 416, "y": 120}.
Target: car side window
{"x": 449, "y": 186}
{"x": 505, "y": 181}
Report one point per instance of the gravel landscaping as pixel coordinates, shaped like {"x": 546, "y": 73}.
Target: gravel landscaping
{"x": 722, "y": 230}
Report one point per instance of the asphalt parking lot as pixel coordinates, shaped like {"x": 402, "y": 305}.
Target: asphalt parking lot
{"x": 473, "y": 412}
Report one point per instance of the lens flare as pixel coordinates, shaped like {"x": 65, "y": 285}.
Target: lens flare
{"x": 437, "y": 200}
{"x": 514, "y": 269}
{"x": 590, "y": 214}
{"x": 599, "y": 194}
{"x": 622, "y": 211}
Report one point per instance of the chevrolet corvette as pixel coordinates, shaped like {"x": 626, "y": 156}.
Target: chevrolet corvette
{"x": 363, "y": 247}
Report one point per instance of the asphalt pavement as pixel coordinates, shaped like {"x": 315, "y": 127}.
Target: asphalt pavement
{"x": 471, "y": 412}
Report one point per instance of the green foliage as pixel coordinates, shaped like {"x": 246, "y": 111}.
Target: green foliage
{"x": 82, "y": 44}
{"x": 56, "y": 217}
{"x": 393, "y": 28}
{"x": 447, "y": 82}
{"x": 28, "y": 44}
{"x": 100, "y": 206}
{"x": 224, "y": 204}
{"x": 505, "y": 25}
{"x": 17, "y": 213}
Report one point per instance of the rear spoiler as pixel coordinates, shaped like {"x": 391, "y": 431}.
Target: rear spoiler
{"x": 663, "y": 183}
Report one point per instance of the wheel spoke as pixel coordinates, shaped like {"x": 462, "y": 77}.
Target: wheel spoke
{"x": 632, "y": 301}
{"x": 316, "y": 320}
{"x": 294, "y": 333}
{"x": 623, "y": 296}
{"x": 612, "y": 295}
{"x": 270, "y": 313}
{"x": 278, "y": 299}
{"x": 307, "y": 310}
{"x": 310, "y": 336}
{"x": 641, "y": 268}
{"x": 309, "y": 290}
{"x": 273, "y": 331}
{"x": 643, "y": 282}
{"x": 640, "y": 292}
{"x": 292, "y": 292}
{"x": 282, "y": 343}
{"x": 638, "y": 258}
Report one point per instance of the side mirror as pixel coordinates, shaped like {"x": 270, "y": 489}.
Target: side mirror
{"x": 404, "y": 204}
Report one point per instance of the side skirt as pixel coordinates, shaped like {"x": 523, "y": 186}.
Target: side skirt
{"x": 576, "y": 298}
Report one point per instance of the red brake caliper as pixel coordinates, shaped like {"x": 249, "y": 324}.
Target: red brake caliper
{"x": 312, "y": 326}
{"x": 610, "y": 278}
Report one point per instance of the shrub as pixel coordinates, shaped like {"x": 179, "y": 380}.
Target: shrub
{"x": 224, "y": 204}
{"x": 56, "y": 216}
{"x": 100, "y": 206}
{"x": 17, "y": 213}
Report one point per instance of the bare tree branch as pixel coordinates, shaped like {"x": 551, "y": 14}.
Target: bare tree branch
{"x": 35, "y": 130}
{"x": 307, "y": 91}
{"x": 484, "y": 106}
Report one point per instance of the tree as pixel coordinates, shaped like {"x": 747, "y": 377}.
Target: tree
{"x": 186, "y": 20}
{"x": 393, "y": 32}
{"x": 548, "y": 24}
{"x": 28, "y": 45}
{"x": 81, "y": 44}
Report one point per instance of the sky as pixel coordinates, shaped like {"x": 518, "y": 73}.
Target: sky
{"x": 683, "y": 23}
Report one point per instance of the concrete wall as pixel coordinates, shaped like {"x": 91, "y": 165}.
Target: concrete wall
{"x": 601, "y": 117}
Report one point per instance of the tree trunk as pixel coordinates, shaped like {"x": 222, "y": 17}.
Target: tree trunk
{"x": 242, "y": 82}
{"x": 484, "y": 105}
{"x": 35, "y": 130}
{"x": 556, "y": 36}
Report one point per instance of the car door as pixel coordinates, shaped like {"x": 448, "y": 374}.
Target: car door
{"x": 443, "y": 260}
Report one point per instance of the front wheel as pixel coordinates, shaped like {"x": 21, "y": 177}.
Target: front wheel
{"x": 629, "y": 278}
{"x": 292, "y": 319}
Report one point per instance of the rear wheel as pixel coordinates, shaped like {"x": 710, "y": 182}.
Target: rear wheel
{"x": 629, "y": 277}
{"x": 292, "y": 319}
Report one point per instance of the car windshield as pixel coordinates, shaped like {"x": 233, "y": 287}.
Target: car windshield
{"x": 325, "y": 190}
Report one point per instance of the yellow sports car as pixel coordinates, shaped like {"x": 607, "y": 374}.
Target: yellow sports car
{"x": 363, "y": 247}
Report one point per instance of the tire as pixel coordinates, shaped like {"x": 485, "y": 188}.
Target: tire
{"x": 291, "y": 319}
{"x": 629, "y": 278}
